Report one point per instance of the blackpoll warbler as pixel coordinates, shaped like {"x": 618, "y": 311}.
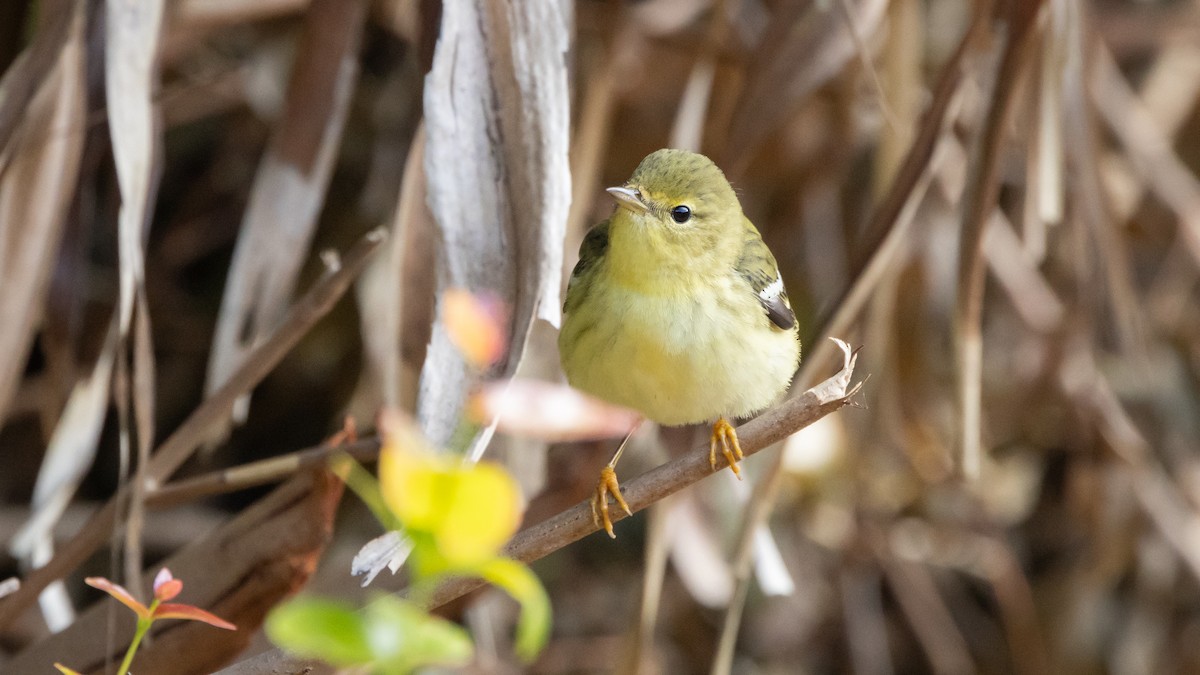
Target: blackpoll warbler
{"x": 677, "y": 309}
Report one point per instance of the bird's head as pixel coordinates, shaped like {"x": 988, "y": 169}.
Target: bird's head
{"x": 679, "y": 204}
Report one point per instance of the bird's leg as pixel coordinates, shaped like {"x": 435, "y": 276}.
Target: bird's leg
{"x": 608, "y": 485}
{"x": 725, "y": 436}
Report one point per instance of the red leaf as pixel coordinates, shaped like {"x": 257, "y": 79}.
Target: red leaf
{"x": 168, "y": 590}
{"x": 172, "y": 610}
{"x": 119, "y": 592}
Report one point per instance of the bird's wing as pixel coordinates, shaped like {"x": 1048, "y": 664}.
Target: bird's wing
{"x": 758, "y": 267}
{"x": 591, "y": 252}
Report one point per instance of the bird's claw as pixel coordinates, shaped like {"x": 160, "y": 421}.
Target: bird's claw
{"x": 607, "y": 485}
{"x": 725, "y": 436}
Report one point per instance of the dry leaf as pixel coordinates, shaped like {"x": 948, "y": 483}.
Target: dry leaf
{"x": 289, "y": 189}
{"x": 37, "y": 183}
{"x": 28, "y": 73}
{"x": 496, "y": 110}
{"x": 35, "y": 193}
{"x": 382, "y": 289}
{"x": 131, "y": 41}
{"x": 548, "y": 411}
{"x": 69, "y": 454}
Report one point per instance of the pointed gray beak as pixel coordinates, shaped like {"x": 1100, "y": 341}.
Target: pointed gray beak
{"x": 628, "y": 198}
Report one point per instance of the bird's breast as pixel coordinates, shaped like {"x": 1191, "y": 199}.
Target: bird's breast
{"x": 679, "y": 359}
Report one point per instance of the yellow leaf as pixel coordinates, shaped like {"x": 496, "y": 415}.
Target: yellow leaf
{"x": 480, "y": 514}
{"x": 467, "y": 511}
{"x": 409, "y": 481}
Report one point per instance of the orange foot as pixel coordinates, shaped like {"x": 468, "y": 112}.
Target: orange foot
{"x": 725, "y": 436}
{"x": 608, "y": 485}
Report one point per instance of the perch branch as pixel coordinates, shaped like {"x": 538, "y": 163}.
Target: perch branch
{"x": 546, "y": 537}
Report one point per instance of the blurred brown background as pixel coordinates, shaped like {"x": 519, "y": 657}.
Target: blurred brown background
{"x": 998, "y": 200}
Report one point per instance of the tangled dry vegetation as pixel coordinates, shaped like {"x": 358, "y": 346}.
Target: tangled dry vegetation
{"x": 998, "y": 200}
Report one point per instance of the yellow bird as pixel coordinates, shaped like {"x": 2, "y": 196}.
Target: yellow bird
{"x": 677, "y": 309}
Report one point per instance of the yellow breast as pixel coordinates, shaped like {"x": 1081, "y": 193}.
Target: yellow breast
{"x": 678, "y": 359}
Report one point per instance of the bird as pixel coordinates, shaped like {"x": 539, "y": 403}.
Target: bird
{"x": 677, "y": 310}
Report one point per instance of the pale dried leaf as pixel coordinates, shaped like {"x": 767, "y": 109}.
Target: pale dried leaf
{"x": 133, "y": 30}
{"x": 69, "y": 454}
{"x": 142, "y": 390}
{"x": 1017, "y": 272}
{"x": 549, "y": 411}
{"x": 36, "y": 188}
{"x": 661, "y": 17}
{"x": 387, "y": 551}
{"x": 769, "y": 568}
{"x": 1148, "y": 147}
{"x": 837, "y": 387}
{"x": 57, "y": 609}
{"x": 382, "y": 287}
{"x": 688, "y": 130}
{"x": 289, "y": 188}
{"x": 1049, "y": 144}
{"x": 696, "y": 555}
{"x": 215, "y": 13}
{"x": 496, "y": 106}
{"x": 27, "y": 75}
{"x": 131, "y": 46}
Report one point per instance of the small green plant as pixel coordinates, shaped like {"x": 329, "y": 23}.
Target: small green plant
{"x": 456, "y": 515}
{"x": 166, "y": 587}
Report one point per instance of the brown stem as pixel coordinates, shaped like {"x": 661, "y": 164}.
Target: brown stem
{"x": 546, "y": 537}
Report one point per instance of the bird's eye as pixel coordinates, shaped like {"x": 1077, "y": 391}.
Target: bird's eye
{"x": 681, "y": 214}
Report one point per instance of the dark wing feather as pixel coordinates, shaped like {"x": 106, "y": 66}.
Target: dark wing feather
{"x": 758, "y": 267}
{"x": 591, "y": 252}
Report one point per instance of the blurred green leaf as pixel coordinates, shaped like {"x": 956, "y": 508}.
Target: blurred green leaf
{"x": 393, "y": 635}
{"x": 533, "y": 628}
{"x": 404, "y": 637}
{"x": 367, "y": 488}
{"x": 324, "y": 629}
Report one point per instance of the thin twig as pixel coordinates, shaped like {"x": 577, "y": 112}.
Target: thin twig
{"x": 757, "y": 511}
{"x": 889, "y": 215}
{"x": 548, "y": 536}
{"x": 927, "y": 613}
{"x": 983, "y": 191}
{"x": 1147, "y": 146}
{"x": 258, "y": 473}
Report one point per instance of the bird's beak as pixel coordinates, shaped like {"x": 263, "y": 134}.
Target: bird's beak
{"x": 628, "y": 198}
